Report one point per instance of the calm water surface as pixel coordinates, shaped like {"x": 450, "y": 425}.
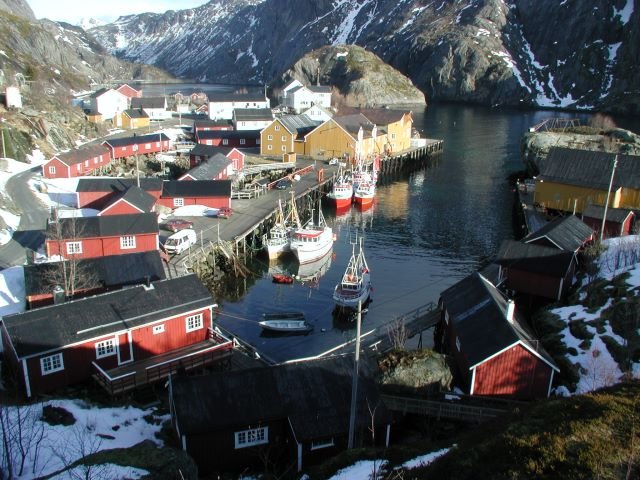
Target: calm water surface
{"x": 426, "y": 231}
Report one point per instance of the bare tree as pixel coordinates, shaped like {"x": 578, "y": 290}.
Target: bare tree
{"x": 397, "y": 333}
{"x": 74, "y": 454}
{"x": 23, "y": 435}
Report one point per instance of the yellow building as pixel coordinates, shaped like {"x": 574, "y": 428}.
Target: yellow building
{"x": 134, "y": 118}
{"x": 572, "y": 179}
{"x": 286, "y": 135}
{"x": 396, "y": 124}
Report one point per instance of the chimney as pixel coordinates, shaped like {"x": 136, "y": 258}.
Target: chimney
{"x": 511, "y": 308}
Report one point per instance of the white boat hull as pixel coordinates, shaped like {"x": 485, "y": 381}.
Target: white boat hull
{"x": 351, "y": 298}
{"x": 314, "y": 249}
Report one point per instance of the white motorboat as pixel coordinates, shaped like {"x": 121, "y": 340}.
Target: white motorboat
{"x": 355, "y": 285}
{"x": 313, "y": 241}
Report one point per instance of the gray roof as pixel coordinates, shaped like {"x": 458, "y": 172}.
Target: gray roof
{"x": 199, "y": 188}
{"x": 148, "y": 102}
{"x": 215, "y": 134}
{"x": 301, "y": 392}
{"x": 105, "y": 272}
{"x": 567, "y": 233}
{"x": 477, "y": 310}
{"x": 530, "y": 257}
{"x": 586, "y": 168}
{"x": 210, "y": 168}
{"x": 136, "y": 140}
{"x": 106, "y": 226}
{"x": 254, "y": 95}
{"x": 298, "y": 124}
{"x": 81, "y": 154}
{"x": 203, "y": 150}
{"x": 53, "y": 327}
{"x": 117, "y": 184}
{"x": 137, "y": 197}
{"x": 379, "y": 116}
{"x": 252, "y": 114}
{"x": 211, "y": 123}
{"x": 319, "y": 88}
{"x": 353, "y": 123}
{"x": 617, "y": 215}
{"x": 136, "y": 113}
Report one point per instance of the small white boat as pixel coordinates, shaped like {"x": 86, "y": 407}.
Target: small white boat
{"x": 355, "y": 286}
{"x": 285, "y": 322}
{"x": 278, "y": 241}
{"x": 313, "y": 241}
{"x": 365, "y": 193}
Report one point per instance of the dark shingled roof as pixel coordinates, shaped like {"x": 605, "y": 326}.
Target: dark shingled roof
{"x": 117, "y": 184}
{"x": 199, "y": 188}
{"x": 379, "y": 116}
{"x": 617, "y": 215}
{"x": 478, "y": 312}
{"x": 81, "y": 154}
{"x": 252, "y": 114}
{"x": 148, "y": 102}
{"x": 107, "y": 226}
{"x": 586, "y": 168}
{"x": 215, "y": 134}
{"x": 568, "y": 233}
{"x": 210, "y": 168}
{"x": 353, "y": 123}
{"x": 302, "y": 392}
{"x": 50, "y": 328}
{"x": 212, "y": 123}
{"x": 135, "y": 113}
{"x": 136, "y": 197}
{"x": 111, "y": 271}
{"x": 136, "y": 140}
{"x": 202, "y": 150}
{"x": 530, "y": 257}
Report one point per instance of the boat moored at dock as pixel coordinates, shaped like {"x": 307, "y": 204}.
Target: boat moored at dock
{"x": 313, "y": 241}
{"x": 355, "y": 285}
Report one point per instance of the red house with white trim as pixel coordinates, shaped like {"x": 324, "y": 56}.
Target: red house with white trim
{"x": 201, "y": 152}
{"x": 132, "y": 201}
{"x": 209, "y": 193}
{"x": 90, "y": 237}
{"x": 495, "y": 352}
{"x": 123, "y": 339}
{"x": 217, "y": 167}
{"x": 137, "y": 145}
{"x": 229, "y": 138}
{"x": 99, "y": 192}
{"x": 76, "y": 163}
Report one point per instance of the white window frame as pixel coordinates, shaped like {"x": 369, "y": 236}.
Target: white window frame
{"x": 157, "y": 329}
{"x": 225, "y": 141}
{"x": 178, "y": 202}
{"x": 269, "y": 147}
{"x": 251, "y": 437}
{"x": 322, "y": 444}
{"x": 106, "y": 348}
{"x": 194, "y": 322}
{"x": 242, "y": 141}
{"x": 283, "y": 138}
{"x": 86, "y": 163}
{"x": 74, "y": 248}
{"x": 52, "y": 170}
{"x": 283, "y": 148}
{"x": 51, "y": 364}
{"x": 277, "y": 128}
{"x": 147, "y": 146}
{"x": 269, "y": 137}
{"x": 127, "y": 242}
{"x": 95, "y": 160}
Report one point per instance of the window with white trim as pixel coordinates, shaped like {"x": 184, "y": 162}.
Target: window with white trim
{"x": 393, "y": 136}
{"x": 225, "y": 141}
{"x": 51, "y": 364}
{"x": 128, "y": 241}
{"x": 78, "y": 167}
{"x": 178, "y": 202}
{"x": 86, "y": 163}
{"x": 158, "y": 329}
{"x": 283, "y": 148}
{"x": 242, "y": 141}
{"x": 194, "y": 322}
{"x": 317, "y": 445}
{"x": 277, "y": 128}
{"x": 269, "y": 137}
{"x": 52, "y": 170}
{"x": 106, "y": 348}
{"x": 147, "y": 146}
{"x": 254, "y": 436}
{"x": 95, "y": 160}
{"x": 269, "y": 147}
{"x": 74, "y": 248}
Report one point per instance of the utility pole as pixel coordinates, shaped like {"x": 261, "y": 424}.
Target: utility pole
{"x": 354, "y": 384}
{"x": 606, "y": 205}
{"x": 137, "y": 171}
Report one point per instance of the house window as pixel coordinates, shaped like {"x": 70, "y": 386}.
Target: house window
{"x": 225, "y": 141}
{"x": 157, "y": 144}
{"x": 86, "y": 163}
{"x": 158, "y": 329}
{"x": 194, "y": 322}
{"x": 78, "y": 167}
{"x": 106, "y": 348}
{"x": 52, "y": 170}
{"x": 95, "y": 160}
{"x": 269, "y": 147}
{"x": 283, "y": 138}
{"x": 74, "y": 248}
{"x": 269, "y": 137}
{"x": 249, "y": 438}
{"x": 458, "y": 344}
{"x": 277, "y": 128}
{"x": 393, "y": 136}
{"x": 317, "y": 445}
{"x": 178, "y": 202}
{"x": 128, "y": 241}
{"x": 242, "y": 141}
{"x": 52, "y": 363}
{"x": 283, "y": 148}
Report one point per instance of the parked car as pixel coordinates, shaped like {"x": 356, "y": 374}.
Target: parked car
{"x": 284, "y": 184}
{"x": 177, "y": 224}
{"x": 224, "y": 212}
{"x": 180, "y": 241}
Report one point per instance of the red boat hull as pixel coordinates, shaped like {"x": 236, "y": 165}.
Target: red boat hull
{"x": 281, "y": 278}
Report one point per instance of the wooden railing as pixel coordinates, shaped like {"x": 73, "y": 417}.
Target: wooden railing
{"x": 441, "y": 408}
{"x": 114, "y": 385}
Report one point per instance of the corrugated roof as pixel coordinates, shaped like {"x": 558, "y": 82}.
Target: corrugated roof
{"x": 200, "y": 188}
{"x": 298, "y": 124}
{"x": 106, "y": 226}
{"x": 592, "y": 169}
{"x": 53, "y": 327}
{"x": 210, "y": 168}
{"x": 567, "y": 233}
{"x": 252, "y": 114}
{"x": 82, "y": 154}
{"x": 534, "y": 258}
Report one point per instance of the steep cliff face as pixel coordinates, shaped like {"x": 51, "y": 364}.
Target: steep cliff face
{"x": 577, "y": 55}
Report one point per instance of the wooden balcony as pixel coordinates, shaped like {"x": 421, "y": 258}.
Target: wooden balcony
{"x": 150, "y": 370}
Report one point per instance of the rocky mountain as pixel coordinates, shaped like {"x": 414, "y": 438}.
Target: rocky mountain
{"x": 549, "y": 53}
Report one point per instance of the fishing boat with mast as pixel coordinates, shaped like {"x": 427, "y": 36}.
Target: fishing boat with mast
{"x": 312, "y": 241}
{"x": 365, "y": 193}
{"x": 278, "y": 240}
{"x": 355, "y": 285}
{"x": 341, "y": 193}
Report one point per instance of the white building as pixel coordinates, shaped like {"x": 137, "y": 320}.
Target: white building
{"x": 299, "y": 97}
{"x": 13, "y": 98}
{"x": 252, "y": 118}
{"x": 222, "y": 105}
{"x": 318, "y": 113}
{"x": 108, "y": 103}
{"x": 154, "y": 107}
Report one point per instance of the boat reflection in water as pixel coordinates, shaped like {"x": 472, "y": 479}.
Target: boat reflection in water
{"x": 310, "y": 273}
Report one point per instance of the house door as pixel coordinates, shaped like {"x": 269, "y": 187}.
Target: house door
{"x": 125, "y": 353}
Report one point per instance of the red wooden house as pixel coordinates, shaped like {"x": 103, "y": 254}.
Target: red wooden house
{"x": 495, "y": 352}
{"x": 209, "y": 193}
{"x": 566, "y": 233}
{"x": 94, "y": 275}
{"x": 210, "y": 125}
{"x": 76, "y": 163}
{"x": 91, "y": 237}
{"x": 123, "y": 339}
{"x": 137, "y": 145}
{"x": 536, "y": 270}
{"x": 99, "y": 192}
{"x": 618, "y": 223}
{"x": 129, "y": 91}
{"x": 217, "y": 167}
{"x": 201, "y": 152}
{"x": 132, "y": 201}
{"x": 229, "y": 138}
